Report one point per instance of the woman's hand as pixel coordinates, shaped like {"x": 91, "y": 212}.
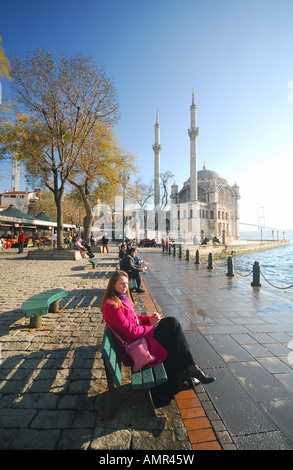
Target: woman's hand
{"x": 155, "y": 319}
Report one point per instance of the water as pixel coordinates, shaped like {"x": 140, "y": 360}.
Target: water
{"x": 276, "y": 265}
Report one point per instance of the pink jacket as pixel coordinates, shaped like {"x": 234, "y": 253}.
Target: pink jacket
{"x": 124, "y": 321}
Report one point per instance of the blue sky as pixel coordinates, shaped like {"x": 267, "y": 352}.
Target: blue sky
{"x": 236, "y": 55}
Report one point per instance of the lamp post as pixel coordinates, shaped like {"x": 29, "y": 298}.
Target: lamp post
{"x": 124, "y": 177}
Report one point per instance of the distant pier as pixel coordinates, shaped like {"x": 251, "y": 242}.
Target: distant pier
{"x": 237, "y": 246}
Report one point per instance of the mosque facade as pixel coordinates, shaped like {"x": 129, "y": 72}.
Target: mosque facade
{"x": 206, "y": 207}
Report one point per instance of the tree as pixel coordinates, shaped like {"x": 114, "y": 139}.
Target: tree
{"x": 165, "y": 177}
{"x": 140, "y": 193}
{"x": 97, "y": 170}
{"x": 63, "y": 100}
{"x": 4, "y": 63}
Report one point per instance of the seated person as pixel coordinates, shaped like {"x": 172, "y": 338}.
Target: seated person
{"x": 88, "y": 249}
{"x": 122, "y": 251}
{"x": 165, "y": 337}
{"x": 83, "y": 247}
{"x": 127, "y": 264}
{"x": 129, "y": 245}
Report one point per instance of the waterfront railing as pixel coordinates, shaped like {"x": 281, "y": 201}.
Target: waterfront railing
{"x": 210, "y": 261}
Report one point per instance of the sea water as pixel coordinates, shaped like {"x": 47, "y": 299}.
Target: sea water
{"x": 276, "y": 266}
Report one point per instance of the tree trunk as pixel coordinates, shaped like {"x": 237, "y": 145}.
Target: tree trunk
{"x": 88, "y": 219}
{"x": 87, "y": 225}
{"x": 58, "y": 193}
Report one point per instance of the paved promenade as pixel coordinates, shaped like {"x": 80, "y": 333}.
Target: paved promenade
{"x": 240, "y": 334}
{"x": 53, "y": 390}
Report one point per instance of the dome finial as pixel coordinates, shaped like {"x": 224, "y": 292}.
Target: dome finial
{"x": 204, "y": 165}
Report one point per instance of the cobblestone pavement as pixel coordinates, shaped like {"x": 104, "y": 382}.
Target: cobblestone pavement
{"x": 52, "y": 380}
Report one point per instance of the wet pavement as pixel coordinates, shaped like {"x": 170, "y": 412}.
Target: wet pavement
{"x": 240, "y": 334}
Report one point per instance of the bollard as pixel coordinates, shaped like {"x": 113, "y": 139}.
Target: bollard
{"x": 180, "y": 251}
{"x": 197, "y": 257}
{"x": 187, "y": 255}
{"x": 210, "y": 262}
{"x": 230, "y": 266}
{"x": 256, "y": 275}
{"x": 174, "y": 250}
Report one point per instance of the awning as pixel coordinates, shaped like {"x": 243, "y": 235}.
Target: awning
{"x": 13, "y": 215}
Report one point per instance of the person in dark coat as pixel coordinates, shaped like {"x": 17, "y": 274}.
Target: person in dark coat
{"x": 127, "y": 264}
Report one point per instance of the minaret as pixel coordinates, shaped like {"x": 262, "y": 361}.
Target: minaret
{"x": 193, "y": 133}
{"x": 157, "y": 148}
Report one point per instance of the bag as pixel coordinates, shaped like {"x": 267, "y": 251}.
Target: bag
{"x": 138, "y": 351}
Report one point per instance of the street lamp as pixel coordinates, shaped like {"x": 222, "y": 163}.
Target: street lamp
{"x": 124, "y": 177}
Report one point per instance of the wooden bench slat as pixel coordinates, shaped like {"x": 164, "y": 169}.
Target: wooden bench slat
{"x": 148, "y": 380}
{"x": 160, "y": 374}
{"x": 136, "y": 380}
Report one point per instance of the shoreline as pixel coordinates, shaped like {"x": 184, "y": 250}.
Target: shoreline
{"x": 235, "y": 247}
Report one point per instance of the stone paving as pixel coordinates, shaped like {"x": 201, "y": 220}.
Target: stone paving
{"x": 242, "y": 335}
{"x": 53, "y": 389}
{"x": 52, "y": 380}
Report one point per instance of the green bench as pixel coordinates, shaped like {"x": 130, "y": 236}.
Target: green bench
{"x": 94, "y": 262}
{"x": 141, "y": 381}
{"x": 40, "y": 304}
{"x": 132, "y": 284}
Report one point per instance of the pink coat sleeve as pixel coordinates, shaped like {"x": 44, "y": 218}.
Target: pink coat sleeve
{"x": 123, "y": 320}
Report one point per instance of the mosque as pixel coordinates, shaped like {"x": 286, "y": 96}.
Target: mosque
{"x": 206, "y": 207}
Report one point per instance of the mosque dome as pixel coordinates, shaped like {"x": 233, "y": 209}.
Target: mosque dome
{"x": 207, "y": 174}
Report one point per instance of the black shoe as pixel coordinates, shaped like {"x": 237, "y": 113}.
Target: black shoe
{"x": 199, "y": 375}
{"x": 140, "y": 291}
{"x": 204, "y": 379}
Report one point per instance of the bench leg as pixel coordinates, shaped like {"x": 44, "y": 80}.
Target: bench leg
{"x": 117, "y": 398}
{"x": 36, "y": 322}
{"x": 150, "y": 402}
{"x": 54, "y": 307}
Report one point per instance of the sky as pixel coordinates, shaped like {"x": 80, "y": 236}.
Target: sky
{"x": 236, "y": 55}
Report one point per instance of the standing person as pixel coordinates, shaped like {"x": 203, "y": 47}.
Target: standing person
{"x": 105, "y": 244}
{"x": 165, "y": 338}
{"x": 127, "y": 264}
{"x": 21, "y": 240}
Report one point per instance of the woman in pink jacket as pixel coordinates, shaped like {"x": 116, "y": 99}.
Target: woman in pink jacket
{"x": 165, "y": 338}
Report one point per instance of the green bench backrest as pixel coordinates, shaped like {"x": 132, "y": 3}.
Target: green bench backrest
{"x": 146, "y": 378}
{"x": 111, "y": 357}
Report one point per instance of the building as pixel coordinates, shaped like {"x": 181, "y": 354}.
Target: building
{"x": 206, "y": 207}
{"x": 20, "y": 199}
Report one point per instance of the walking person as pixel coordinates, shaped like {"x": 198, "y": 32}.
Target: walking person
{"x": 21, "y": 240}
{"x": 105, "y": 241}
